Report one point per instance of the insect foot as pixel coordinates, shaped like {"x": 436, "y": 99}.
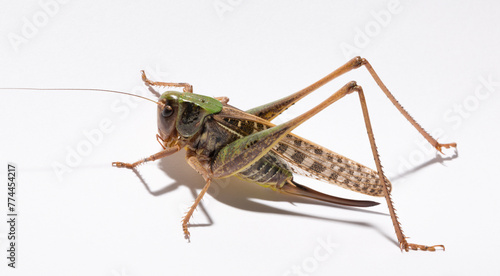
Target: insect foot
{"x": 407, "y": 246}
{"x": 439, "y": 147}
{"x": 187, "y": 235}
{"x": 145, "y": 79}
{"x": 122, "y": 165}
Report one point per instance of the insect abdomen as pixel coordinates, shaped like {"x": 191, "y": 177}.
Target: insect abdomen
{"x": 267, "y": 172}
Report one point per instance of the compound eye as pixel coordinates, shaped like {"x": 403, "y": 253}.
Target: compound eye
{"x": 167, "y": 111}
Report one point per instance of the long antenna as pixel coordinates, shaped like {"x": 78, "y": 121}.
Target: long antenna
{"x": 80, "y": 89}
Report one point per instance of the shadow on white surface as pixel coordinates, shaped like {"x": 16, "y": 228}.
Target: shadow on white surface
{"x": 439, "y": 159}
{"x": 240, "y": 194}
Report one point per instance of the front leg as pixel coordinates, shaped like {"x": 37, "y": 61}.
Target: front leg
{"x": 164, "y": 153}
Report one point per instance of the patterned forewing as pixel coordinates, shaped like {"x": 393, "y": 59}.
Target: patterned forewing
{"x": 311, "y": 160}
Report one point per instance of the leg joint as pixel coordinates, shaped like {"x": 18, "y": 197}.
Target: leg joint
{"x": 357, "y": 88}
{"x": 357, "y": 62}
{"x": 352, "y": 86}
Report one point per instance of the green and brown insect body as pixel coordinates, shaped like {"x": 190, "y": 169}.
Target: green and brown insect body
{"x": 222, "y": 141}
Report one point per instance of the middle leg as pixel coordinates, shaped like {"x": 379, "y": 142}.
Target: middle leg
{"x": 195, "y": 164}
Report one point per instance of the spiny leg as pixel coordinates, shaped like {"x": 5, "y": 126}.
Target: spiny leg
{"x": 403, "y": 243}
{"x": 185, "y": 86}
{"x": 271, "y": 110}
{"x": 193, "y": 162}
{"x": 164, "y": 153}
{"x": 405, "y": 113}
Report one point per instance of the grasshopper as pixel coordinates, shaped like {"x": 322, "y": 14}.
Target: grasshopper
{"x": 221, "y": 141}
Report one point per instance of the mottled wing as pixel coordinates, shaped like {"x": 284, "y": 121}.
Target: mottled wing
{"x": 311, "y": 160}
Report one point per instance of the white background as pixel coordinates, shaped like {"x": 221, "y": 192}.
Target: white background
{"x": 100, "y": 220}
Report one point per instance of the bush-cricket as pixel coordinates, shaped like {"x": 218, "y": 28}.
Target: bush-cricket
{"x": 221, "y": 141}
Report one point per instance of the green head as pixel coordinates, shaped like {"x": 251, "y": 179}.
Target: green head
{"x": 183, "y": 114}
